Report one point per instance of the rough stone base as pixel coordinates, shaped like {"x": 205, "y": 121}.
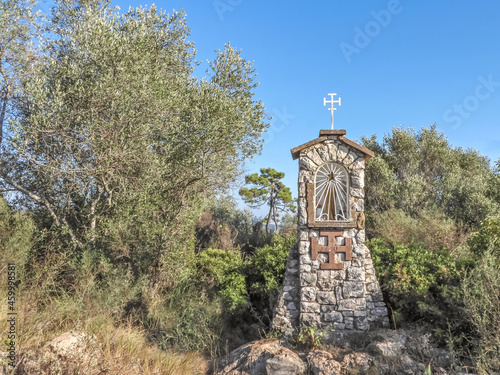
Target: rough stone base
{"x": 333, "y": 300}
{"x": 286, "y": 312}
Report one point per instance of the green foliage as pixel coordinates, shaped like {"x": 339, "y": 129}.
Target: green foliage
{"x": 421, "y": 175}
{"x": 17, "y": 237}
{"x": 487, "y": 238}
{"x": 268, "y": 190}
{"x": 309, "y": 338}
{"x": 223, "y": 270}
{"x": 192, "y": 322}
{"x": 494, "y": 183}
{"x": 18, "y": 28}
{"x": 431, "y": 227}
{"x": 481, "y": 286}
{"x": 225, "y": 227}
{"x": 420, "y": 284}
{"x": 266, "y": 267}
{"x": 111, "y": 131}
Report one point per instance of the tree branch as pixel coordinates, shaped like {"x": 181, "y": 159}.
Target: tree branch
{"x": 47, "y": 205}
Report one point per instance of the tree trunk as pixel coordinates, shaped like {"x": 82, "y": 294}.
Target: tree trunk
{"x": 269, "y": 217}
{"x": 274, "y": 218}
{"x": 271, "y": 206}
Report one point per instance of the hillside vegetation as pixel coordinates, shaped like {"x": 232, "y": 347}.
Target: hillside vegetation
{"x": 115, "y": 166}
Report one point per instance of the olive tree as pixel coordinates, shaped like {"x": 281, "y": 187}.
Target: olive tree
{"x": 420, "y": 178}
{"x": 18, "y": 28}
{"x": 113, "y": 135}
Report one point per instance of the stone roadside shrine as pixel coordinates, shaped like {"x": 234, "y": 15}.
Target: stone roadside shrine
{"x": 330, "y": 281}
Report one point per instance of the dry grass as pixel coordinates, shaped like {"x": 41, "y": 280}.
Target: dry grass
{"x": 120, "y": 349}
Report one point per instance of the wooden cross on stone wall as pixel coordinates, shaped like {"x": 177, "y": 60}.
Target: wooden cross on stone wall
{"x": 331, "y": 248}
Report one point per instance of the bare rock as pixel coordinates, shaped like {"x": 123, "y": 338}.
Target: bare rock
{"x": 69, "y": 344}
{"x": 323, "y": 363}
{"x": 71, "y": 352}
{"x": 358, "y": 362}
{"x": 388, "y": 343}
{"x": 267, "y": 357}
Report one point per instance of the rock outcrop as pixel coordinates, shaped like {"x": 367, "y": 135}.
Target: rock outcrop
{"x": 262, "y": 357}
{"x": 378, "y": 353}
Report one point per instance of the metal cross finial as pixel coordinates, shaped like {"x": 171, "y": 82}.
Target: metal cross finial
{"x": 331, "y": 101}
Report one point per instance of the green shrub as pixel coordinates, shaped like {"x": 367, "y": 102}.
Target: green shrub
{"x": 223, "y": 271}
{"x": 481, "y": 289}
{"x": 266, "y": 267}
{"x": 487, "y": 238}
{"x": 431, "y": 227}
{"x": 17, "y": 236}
{"x": 421, "y": 285}
{"x": 265, "y": 271}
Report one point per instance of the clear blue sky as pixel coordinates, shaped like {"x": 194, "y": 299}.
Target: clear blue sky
{"x": 411, "y": 63}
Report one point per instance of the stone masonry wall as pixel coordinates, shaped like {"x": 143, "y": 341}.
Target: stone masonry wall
{"x": 343, "y": 299}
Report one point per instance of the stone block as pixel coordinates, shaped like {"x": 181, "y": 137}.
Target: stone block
{"x": 356, "y": 262}
{"x": 304, "y": 247}
{"x": 306, "y": 164}
{"x": 352, "y": 304}
{"x": 303, "y": 235}
{"x": 305, "y": 258}
{"x": 357, "y": 192}
{"x": 287, "y": 296}
{"x": 342, "y": 152}
{"x": 360, "y": 236}
{"x": 351, "y": 233}
{"x": 358, "y": 165}
{"x": 349, "y": 323}
{"x": 323, "y": 153}
{"x": 308, "y": 294}
{"x": 379, "y": 311}
{"x": 302, "y": 216}
{"x": 359, "y": 313}
{"x": 332, "y": 150}
{"x": 302, "y": 189}
{"x": 291, "y": 306}
{"x": 369, "y": 269}
{"x": 313, "y": 233}
{"x": 372, "y": 287}
{"x": 309, "y": 307}
{"x": 359, "y": 205}
{"x": 314, "y": 156}
{"x": 305, "y": 268}
{"x": 354, "y": 289}
{"x": 333, "y": 316}
{"x": 309, "y": 319}
{"x": 377, "y": 297}
{"x": 339, "y": 325}
{"x": 340, "y": 274}
{"x": 360, "y": 250}
{"x": 315, "y": 264}
{"x": 361, "y": 323}
{"x": 356, "y": 274}
{"x": 326, "y": 298}
{"x": 328, "y": 308}
{"x": 308, "y": 279}
{"x": 326, "y": 279}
